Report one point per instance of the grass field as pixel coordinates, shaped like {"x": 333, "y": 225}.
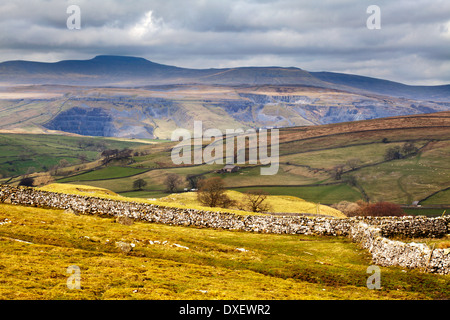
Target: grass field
{"x": 20, "y": 153}
{"x": 277, "y": 203}
{"x": 410, "y": 179}
{"x": 111, "y": 172}
{"x": 38, "y": 245}
{"x": 442, "y": 197}
{"x": 321, "y": 194}
{"x": 430, "y": 212}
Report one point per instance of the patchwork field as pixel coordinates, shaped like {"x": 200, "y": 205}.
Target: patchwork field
{"x": 28, "y": 153}
{"x": 309, "y": 158}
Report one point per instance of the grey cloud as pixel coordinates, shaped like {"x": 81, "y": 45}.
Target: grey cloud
{"x": 321, "y": 35}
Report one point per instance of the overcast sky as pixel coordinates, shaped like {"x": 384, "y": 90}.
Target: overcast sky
{"x": 412, "y": 46}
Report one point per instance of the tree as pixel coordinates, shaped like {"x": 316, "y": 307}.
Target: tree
{"x": 27, "y": 182}
{"x": 255, "y": 200}
{"x": 193, "y": 180}
{"x": 409, "y": 149}
{"x": 124, "y": 154}
{"x": 63, "y": 163}
{"x": 108, "y": 155}
{"x": 353, "y": 163}
{"x": 212, "y": 193}
{"x": 172, "y": 182}
{"x": 115, "y": 154}
{"x": 337, "y": 171}
{"x": 393, "y": 153}
{"x": 83, "y": 157}
{"x": 381, "y": 208}
{"x": 350, "y": 180}
{"x": 348, "y": 208}
{"x": 139, "y": 184}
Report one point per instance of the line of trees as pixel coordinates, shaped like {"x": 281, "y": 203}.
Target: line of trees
{"x": 116, "y": 154}
{"x": 212, "y": 192}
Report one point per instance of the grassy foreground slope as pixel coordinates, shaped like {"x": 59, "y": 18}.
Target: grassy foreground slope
{"x": 170, "y": 262}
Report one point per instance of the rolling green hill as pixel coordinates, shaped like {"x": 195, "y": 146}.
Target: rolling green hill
{"x": 309, "y": 157}
{"x": 29, "y": 153}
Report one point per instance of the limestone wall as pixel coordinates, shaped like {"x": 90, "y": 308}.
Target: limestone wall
{"x": 388, "y": 252}
{"x": 371, "y": 232}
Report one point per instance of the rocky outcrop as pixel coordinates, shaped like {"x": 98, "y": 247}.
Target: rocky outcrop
{"x": 118, "y": 116}
{"x": 84, "y": 121}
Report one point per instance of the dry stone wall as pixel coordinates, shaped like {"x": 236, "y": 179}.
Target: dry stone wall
{"x": 388, "y": 252}
{"x": 371, "y": 232}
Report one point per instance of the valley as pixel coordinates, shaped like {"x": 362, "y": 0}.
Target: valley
{"x": 309, "y": 158}
{"x": 107, "y": 122}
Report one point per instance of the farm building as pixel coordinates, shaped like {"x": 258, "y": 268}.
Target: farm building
{"x": 229, "y": 168}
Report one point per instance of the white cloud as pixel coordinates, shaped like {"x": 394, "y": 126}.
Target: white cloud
{"x": 147, "y": 25}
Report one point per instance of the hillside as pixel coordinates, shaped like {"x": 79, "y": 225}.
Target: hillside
{"x": 110, "y": 70}
{"x": 170, "y": 262}
{"x": 22, "y": 154}
{"x": 385, "y": 87}
{"x": 131, "y": 97}
{"x": 156, "y": 111}
{"x": 107, "y": 70}
{"x": 119, "y": 259}
{"x": 308, "y": 158}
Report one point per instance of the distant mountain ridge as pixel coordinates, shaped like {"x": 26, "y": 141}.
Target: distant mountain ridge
{"x": 119, "y": 70}
{"x": 386, "y": 87}
{"x": 109, "y": 70}
{"x": 99, "y": 70}
{"x": 131, "y": 97}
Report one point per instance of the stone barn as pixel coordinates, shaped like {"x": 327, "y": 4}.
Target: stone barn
{"x": 229, "y": 168}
